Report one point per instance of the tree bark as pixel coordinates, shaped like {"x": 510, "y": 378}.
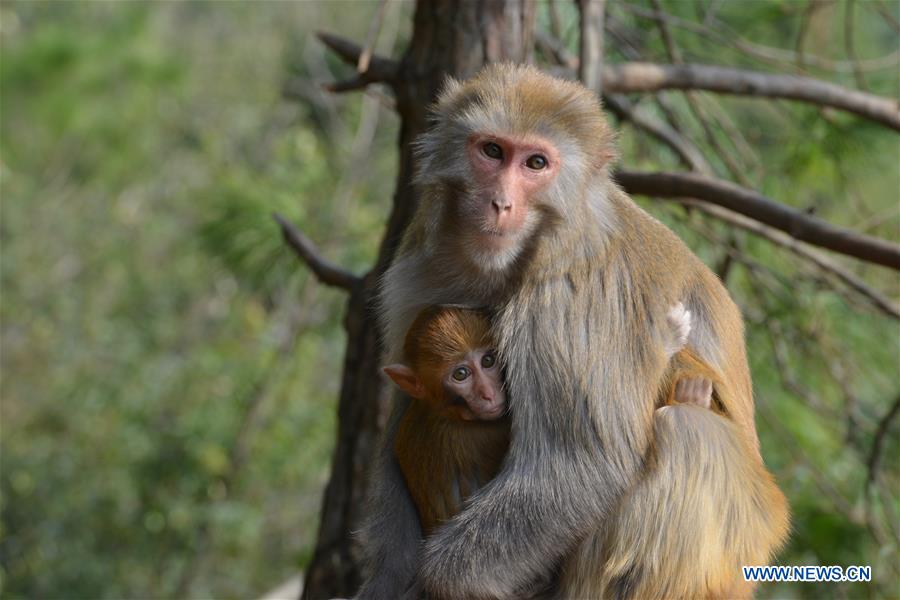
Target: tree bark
{"x": 449, "y": 38}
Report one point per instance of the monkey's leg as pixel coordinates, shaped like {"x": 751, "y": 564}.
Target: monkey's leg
{"x": 705, "y": 507}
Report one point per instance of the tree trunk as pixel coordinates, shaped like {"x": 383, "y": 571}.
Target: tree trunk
{"x": 449, "y": 38}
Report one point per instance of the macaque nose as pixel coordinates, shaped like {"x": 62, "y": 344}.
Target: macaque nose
{"x": 501, "y": 205}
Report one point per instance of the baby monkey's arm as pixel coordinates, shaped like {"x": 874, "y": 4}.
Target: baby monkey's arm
{"x": 690, "y": 380}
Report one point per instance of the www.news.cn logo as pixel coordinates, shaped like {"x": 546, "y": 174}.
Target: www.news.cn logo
{"x": 812, "y": 573}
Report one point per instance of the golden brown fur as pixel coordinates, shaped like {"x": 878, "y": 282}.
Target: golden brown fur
{"x": 437, "y": 337}
{"x": 580, "y": 305}
{"x": 445, "y": 460}
{"x": 721, "y": 509}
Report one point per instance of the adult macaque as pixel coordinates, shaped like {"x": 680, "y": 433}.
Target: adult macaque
{"x": 518, "y": 213}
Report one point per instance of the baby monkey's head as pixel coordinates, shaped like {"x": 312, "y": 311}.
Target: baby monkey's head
{"x": 450, "y": 363}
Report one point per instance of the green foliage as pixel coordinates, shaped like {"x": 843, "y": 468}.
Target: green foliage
{"x": 170, "y": 371}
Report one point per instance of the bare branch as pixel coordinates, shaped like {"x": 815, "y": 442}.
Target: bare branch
{"x": 325, "y": 271}
{"x": 850, "y": 46}
{"x": 362, "y": 64}
{"x": 800, "y": 43}
{"x": 591, "y": 45}
{"x": 778, "y": 56}
{"x": 650, "y": 77}
{"x": 817, "y": 258}
{"x": 674, "y": 54}
{"x": 619, "y": 105}
{"x": 347, "y": 85}
{"x": 689, "y": 154}
{"x": 555, "y": 26}
{"x": 797, "y": 224}
{"x": 885, "y": 12}
{"x": 380, "y": 69}
{"x": 555, "y": 49}
{"x": 733, "y": 133}
{"x": 672, "y": 48}
{"x": 875, "y": 455}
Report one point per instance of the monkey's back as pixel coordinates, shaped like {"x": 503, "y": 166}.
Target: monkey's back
{"x": 672, "y": 270}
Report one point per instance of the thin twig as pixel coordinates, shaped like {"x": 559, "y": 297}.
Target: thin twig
{"x": 362, "y": 64}
{"x": 800, "y": 43}
{"x": 629, "y": 47}
{"x": 555, "y": 49}
{"x": 674, "y": 53}
{"x": 555, "y": 26}
{"x": 876, "y": 298}
{"x": 885, "y": 12}
{"x": 619, "y": 105}
{"x": 850, "y": 47}
{"x": 777, "y": 56}
{"x": 880, "y": 432}
{"x": 732, "y": 132}
{"x": 689, "y": 154}
{"x": 797, "y": 224}
{"x": 325, "y": 271}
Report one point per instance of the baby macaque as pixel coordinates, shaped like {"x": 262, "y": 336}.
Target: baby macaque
{"x": 453, "y": 437}
{"x": 455, "y": 433}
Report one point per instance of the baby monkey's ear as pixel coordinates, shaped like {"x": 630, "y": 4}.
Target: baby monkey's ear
{"x": 405, "y": 379}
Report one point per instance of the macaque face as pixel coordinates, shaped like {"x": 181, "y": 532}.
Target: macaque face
{"x": 508, "y": 172}
{"x": 473, "y": 387}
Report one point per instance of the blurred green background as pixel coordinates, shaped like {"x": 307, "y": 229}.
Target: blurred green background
{"x": 170, "y": 371}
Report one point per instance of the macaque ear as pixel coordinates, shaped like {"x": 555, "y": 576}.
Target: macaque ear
{"x": 406, "y": 380}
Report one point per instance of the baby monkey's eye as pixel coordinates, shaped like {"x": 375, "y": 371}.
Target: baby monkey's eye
{"x": 488, "y": 360}
{"x": 536, "y": 162}
{"x": 461, "y": 373}
{"x": 492, "y": 150}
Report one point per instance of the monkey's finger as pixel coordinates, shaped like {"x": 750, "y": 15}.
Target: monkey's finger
{"x": 695, "y": 388}
{"x": 680, "y": 390}
{"x": 707, "y": 392}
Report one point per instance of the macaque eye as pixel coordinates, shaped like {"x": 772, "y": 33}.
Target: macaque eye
{"x": 536, "y": 162}
{"x": 488, "y": 360}
{"x": 492, "y": 150}
{"x": 461, "y": 373}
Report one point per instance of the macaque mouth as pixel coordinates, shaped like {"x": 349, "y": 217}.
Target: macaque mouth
{"x": 496, "y": 237}
{"x": 493, "y": 412}
{"x": 479, "y": 413}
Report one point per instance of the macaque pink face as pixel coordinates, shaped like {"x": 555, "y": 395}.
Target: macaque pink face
{"x": 474, "y": 387}
{"x": 507, "y": 172}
